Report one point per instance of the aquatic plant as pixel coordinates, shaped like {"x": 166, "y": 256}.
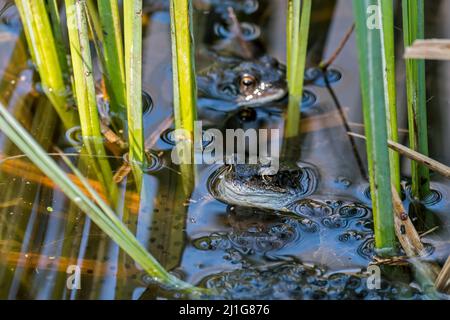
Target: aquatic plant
{"x": 388, "y": 43}
{"x": 298, "y": 21}
{"x": 133, "y": 65}
{"x": 113, "y": 55}
{"x": 370, "y": 53}
{"x": 47, "y": 56}
{"x": 183, "y": 67}
{"x": 413, "y": 29}
{"x": 85, "y": 90}
{"x": 90, "y": 203}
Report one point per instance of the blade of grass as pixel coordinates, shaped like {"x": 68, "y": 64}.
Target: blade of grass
{"x": 99, "y": 212}
{"x": 413, "y": 29}
{"x": 183, "y": 65}
{"x": 373, "y": 99}
{"x": 92, "y": 8}
{"x": 297, "y": 45}
{"x": 133, "y": 67}
{"x": 85, "y": 88}
{"x": 388, "y": 42}
{"x": 44, "y": 51}
{"x": 113, "y": 55}
{"x": 53, "y": 10}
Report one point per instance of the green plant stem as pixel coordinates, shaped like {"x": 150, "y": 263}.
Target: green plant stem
{"x": 44, "y": 52}
{"x": 55, "y": 19}
{"x": 183, "y": 65}
{"x": 413, "y": 29}
{"x": 113, "y": 54}
{"x": 133, "y": 65}
{"x": 373, "y": 97}
{"x": 388, "y": 41}
{"x": 85, "y": 88}
{"x": 96, "y": 23}
{"x": 297, "y": 45}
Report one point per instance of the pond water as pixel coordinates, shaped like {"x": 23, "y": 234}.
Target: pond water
{"x": 319, "y": 248}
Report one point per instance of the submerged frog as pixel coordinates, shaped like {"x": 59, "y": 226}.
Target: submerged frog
{"x": 249, "y": 185}
{"x": 218, "y": 6}
{"x": 243, "y": 82}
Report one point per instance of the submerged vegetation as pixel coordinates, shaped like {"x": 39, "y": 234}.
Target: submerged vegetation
{"x": 89, "y": 56}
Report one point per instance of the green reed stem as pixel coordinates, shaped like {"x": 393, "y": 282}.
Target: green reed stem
{"x": 370, "y": 51}
{"x": 113, "y": 55}
{"x": 183, "y": 65}
{"x": 97, "y": 210}
{"x": 299, "y": 16}
{"x": 388, "y": 41}
{"x": 413, "y": 29}
{"x": 85, "y": 89}
{"x": 44, "y": 51}
{"x": 95, "y": 18}
{"x": 55, "y": 19}
{"x": 133, "y": 65}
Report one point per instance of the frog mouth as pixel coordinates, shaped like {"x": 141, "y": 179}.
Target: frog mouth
{"x": 251, "y": 100}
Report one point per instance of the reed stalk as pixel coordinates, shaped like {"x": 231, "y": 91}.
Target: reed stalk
{"x": 299, "y": 16}
{"x": 113, "y": 55}
{"x": 414, "y": 29}
{"x": 44, "y": 52}
{"x": 95, "y": 18}
{"x": 133, "y": 67}
{"x": 388, "y": 42}
{"x": 85, "y": 89}
{"x": 370, "y": 51}
{"x": 184, "y": 81}
{"x": 97, "y": 210}
{"x": 55, "y": 19}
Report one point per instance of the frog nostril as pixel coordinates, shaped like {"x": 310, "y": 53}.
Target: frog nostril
{"x": 229, "y": 90}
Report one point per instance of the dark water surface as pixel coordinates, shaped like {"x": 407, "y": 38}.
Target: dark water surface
{"x": 318, "y": 249}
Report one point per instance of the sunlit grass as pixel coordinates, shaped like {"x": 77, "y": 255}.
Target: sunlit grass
{"x": 113, "y": 55}
{"x": 44, "y": 52}
{"x": 183, "y": 65}
{"x": 97, "y": 210}
{"x": 133, "y": 65}
{"x": 85, "y": 90}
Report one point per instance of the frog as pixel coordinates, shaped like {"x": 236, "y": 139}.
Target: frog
{"x": 243, "y": 82}
{"x": 218, "y": 6}
{"x": 253, "y": 185}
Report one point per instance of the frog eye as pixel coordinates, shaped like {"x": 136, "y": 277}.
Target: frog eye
{"x": 248, "y": 81}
